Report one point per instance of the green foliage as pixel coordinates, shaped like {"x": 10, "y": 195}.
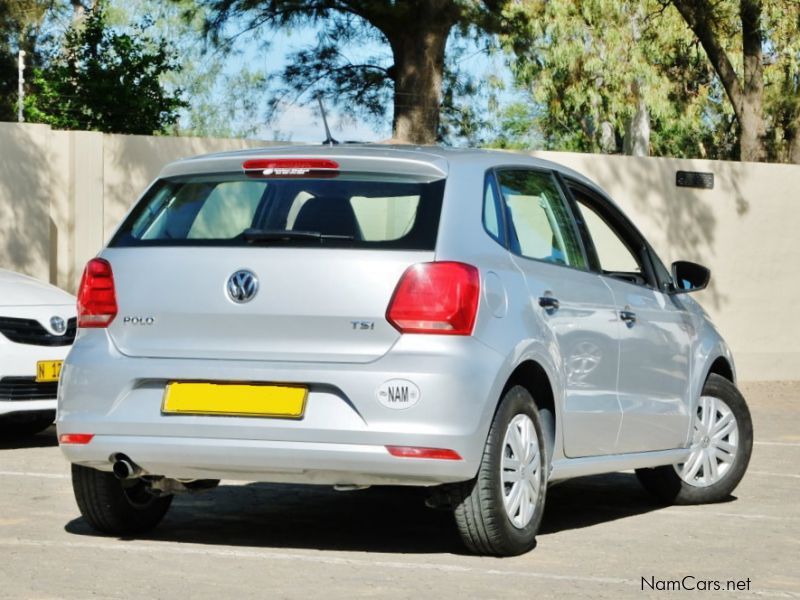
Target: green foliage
{"x": 516, "y": 127}
{"x": 782, "y": 80}
{"x": 21, "y": 28}
{"x": 223, "y": 101}
{"x": 593, "y": 63}
{"x": 106, "y": 81}
{"x": 8, "y": 67}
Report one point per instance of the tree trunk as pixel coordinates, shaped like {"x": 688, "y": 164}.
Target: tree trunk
{"x": 637, "y": 132}
{"x": 418, "y": 73}
{"x": 751, "y": 121}
{"x": 794, "y": 146}
{"x": 747, "y": 96}
{"x": 78, "y": 10}
{"x": 637, "y": 129}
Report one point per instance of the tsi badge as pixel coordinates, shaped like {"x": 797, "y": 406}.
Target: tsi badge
{"x": 398, "y": 394}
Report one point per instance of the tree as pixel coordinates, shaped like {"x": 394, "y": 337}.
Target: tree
{"x": 517, "y": 128}
{"x": 782, "y": 84}
{"x": 746, "y": 94}
{"x": 616, "y": 76}
{"x": 606, "y": 72}
{"x": 225, "y": 97}
{"x": 727, "y": 28}
{"x": 8, "y": 67}
{"x": 21, "y": 28}
{"x": 106, "y": 81}
{"x": 415, "y": 32}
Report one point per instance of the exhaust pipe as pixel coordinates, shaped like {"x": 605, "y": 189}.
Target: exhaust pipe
{"x": 124, "y": 468}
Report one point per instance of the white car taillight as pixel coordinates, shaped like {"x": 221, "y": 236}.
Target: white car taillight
{"x": 97, "y": 299}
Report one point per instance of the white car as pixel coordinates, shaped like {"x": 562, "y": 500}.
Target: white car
{"x": 37, "y": 328}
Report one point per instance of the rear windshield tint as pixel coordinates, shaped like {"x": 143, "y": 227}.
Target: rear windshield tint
{"x": 226, "y": 210}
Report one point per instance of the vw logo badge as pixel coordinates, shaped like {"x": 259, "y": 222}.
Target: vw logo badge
{"x": 58, "y": 325}
{"x": 242, "y": 286}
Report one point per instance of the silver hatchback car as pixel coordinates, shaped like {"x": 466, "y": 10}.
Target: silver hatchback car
{"x": 481, "y": 323}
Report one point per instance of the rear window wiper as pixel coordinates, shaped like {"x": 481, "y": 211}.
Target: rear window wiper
{"x": 261, "y": 236}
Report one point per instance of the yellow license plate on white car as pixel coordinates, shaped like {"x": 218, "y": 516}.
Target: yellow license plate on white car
{"x": 234, "y": 399}
{"x": 48, "y": 370}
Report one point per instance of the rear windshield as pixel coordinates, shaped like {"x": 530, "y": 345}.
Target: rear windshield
{"x": 234, "y": 210}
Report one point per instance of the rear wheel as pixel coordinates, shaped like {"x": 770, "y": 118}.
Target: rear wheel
{"x": 722, "y": 442}
{"x": 116, "y": 507}
{"x": 499, "y": 511}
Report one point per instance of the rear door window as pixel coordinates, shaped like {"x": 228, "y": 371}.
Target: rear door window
{"x": 492, "y": 211}
{"x": 540, "y": 224}
{"x": 619, "y": 252}
{"x": 226, "y": 209}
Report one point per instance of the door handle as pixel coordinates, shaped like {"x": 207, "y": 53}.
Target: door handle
{"x": 628, "y": 316}
{"x": 549, "y": 304}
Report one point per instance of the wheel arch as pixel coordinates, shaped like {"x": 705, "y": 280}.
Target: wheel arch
{"x": 721, "y": 366}
{"x": 533, "y": 377}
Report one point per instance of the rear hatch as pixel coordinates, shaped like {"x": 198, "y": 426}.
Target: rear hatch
{"x": 279, "y": 261}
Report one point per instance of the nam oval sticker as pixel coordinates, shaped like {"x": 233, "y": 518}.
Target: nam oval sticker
{"x": 398, "y": 394}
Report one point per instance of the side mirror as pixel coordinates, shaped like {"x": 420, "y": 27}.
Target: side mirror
{"x": 689, "y": 277}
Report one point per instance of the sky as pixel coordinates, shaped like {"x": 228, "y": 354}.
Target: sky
{"x": 300, "y": 121}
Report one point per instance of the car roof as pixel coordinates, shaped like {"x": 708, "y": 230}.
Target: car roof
{"x": 433, "y": 161}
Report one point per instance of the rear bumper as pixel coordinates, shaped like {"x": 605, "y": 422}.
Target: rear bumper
{"x": 27, "y": 406}
{"x": 262, "y": 460}
{"x": 341, "y": 439}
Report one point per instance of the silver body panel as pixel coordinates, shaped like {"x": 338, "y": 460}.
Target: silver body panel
{"x": 622, "y": 396}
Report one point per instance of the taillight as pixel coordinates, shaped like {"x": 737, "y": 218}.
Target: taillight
{"x": 436, "y": 297}
{"x": 79, "y": 439}
{"x": 97, "y": 300}
{"x": 416, "y": 452}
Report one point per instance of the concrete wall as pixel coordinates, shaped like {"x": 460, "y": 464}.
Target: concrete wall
{"x": 61, "y": 194}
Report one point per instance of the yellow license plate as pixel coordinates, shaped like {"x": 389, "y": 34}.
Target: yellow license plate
{"x": 48, "y": 370}
{"x": 235, "y": 399}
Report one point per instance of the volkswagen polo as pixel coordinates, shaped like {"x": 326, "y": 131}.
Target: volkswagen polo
{"x": 481, "y": 323}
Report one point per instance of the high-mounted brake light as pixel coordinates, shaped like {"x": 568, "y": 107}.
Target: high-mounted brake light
{"x": 436, "y": 297}
{"x": 75, "y": 438}
{"x": 97, "y": 298}
{"x": 415, "y": 452}
{"x": 289, "y": 167}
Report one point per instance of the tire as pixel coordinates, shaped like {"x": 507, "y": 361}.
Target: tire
{"x": 26, "y": 425}
{"x": 698, "y": 480}
{"x": 116, "y": 507}
{"x": 484, "y": 523}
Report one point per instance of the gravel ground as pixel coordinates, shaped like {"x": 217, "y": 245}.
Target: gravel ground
{"x": 601, "y": 536}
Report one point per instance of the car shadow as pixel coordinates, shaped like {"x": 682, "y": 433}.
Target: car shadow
{"x": 43, "y": 439}
{"x": 381, "y": 519}
{"x": 593, "y": 500}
